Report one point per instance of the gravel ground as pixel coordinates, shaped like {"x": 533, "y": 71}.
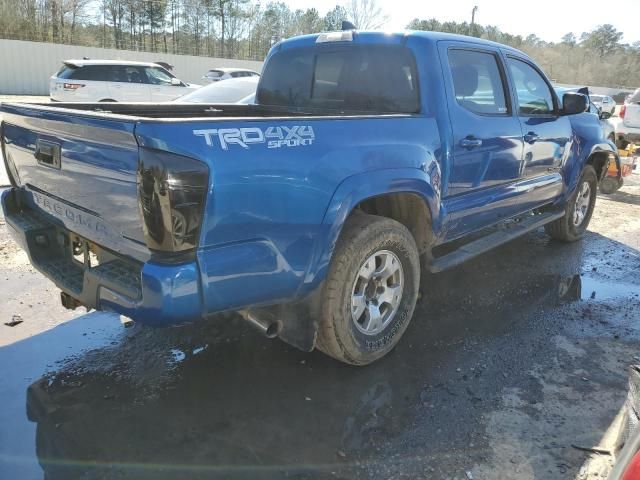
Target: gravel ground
{"x": 510, "y": 360}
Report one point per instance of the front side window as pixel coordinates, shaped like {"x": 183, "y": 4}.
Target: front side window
{"x": 533, "y": 93}
{"x": 158, "y": 76}
{"x": 357, "y": 78}
{"x": 477, "y": 82}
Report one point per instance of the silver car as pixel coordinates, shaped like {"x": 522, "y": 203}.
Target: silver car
{"x": 217, "y": 74}
{"x": 604, "y": 102}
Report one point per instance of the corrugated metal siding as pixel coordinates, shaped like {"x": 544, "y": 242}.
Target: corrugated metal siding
{"x": 25, "y": 67}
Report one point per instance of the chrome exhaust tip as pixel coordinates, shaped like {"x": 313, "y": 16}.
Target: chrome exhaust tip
{"x": 265, "y": 324}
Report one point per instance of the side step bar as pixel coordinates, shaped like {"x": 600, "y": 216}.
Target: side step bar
{"x": 484, "y": 244}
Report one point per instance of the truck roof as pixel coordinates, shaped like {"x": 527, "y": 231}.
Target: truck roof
{"x": 396, "y": 38}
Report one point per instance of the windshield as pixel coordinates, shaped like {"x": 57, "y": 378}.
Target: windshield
{"x": 380, "y": 79}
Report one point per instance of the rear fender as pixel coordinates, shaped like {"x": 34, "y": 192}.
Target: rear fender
{"x": 423, "y": 182}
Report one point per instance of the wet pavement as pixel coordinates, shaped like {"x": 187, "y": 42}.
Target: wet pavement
{"x": 510, "y": 359}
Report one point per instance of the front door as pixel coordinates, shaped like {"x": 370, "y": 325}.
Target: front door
{"x": 547, "y": 134}
{"x": 487, "y": 137}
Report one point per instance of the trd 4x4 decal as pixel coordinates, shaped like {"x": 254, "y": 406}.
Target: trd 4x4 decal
{"x": 274, "y": 137}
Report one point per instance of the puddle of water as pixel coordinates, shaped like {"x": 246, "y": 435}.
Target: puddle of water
{"x": 604, "y": 290}
{"x": 577, "y": 287}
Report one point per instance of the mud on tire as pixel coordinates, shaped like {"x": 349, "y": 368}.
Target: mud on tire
{"x": 565, "y": 228}
{"x": 363, "y": 237}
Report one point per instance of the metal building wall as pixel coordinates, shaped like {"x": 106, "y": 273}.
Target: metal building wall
{"x": 25, "y": 67}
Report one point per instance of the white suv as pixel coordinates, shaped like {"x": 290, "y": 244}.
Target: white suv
{"x": 115, "y": 81}
{"x": 630, "y": 115}
{"x": 218, "y": 74}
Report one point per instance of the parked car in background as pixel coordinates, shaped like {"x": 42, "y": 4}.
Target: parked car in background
{"x": 115, "y": 81}
{"x": 232, "y": 91}
{"x": 629, "y": 127}
{"x": 604, "y": 103}
{"x": 608, "y": 127}
{"x": 217, "y": 74}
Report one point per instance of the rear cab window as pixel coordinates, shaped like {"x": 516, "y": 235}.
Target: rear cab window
{"x": 364, "y": 78}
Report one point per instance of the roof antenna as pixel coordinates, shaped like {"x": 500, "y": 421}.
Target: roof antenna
{"x": 346, "y": 25}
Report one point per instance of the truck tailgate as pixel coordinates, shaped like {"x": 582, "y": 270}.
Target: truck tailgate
{"x": 79, "y": 169}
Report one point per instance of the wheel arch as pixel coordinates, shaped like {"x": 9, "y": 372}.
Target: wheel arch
{"x": 393, "y": 193}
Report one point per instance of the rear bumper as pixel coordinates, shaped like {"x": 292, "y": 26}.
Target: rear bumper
{"x": 633, "y": 133}
{"x": 149, "y": 293}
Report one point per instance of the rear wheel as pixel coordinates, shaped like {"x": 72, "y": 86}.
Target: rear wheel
{"x": 371, "y": 290}
{"x": 579, "y": 209}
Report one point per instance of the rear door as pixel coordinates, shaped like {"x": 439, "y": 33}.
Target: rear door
{"x": 487, "y": 138}
{"x": 128, "y": 83}
{"x": 547, "y": 134}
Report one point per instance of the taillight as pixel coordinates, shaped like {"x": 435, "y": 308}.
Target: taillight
{"x": 171, "y": 196}
{"x": 623, "y": 110}
{"x": 632, "y": 472}
{"x": 10, "y": 167}
{"x": 72, "y": 86}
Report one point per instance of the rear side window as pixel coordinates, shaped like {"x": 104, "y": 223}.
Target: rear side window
{"x": 534, "y": 95}
{"x": 96, "y": 73}
{"x": 635, "y": 98}
{"x": 477, "y": 82}
{"x": 358, "y": 78}
{"x": 127, "y": 74}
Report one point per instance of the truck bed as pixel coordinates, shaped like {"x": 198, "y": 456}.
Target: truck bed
{"x": 176, "y": 110}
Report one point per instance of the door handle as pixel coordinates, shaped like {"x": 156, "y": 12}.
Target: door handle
{"x": 470, "y": 142}
{"x": 531, "y": 137}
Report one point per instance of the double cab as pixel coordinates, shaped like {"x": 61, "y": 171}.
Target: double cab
{"x": 366, "y": 160}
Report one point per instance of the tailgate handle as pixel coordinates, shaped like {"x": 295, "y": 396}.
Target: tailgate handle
{"x": 47, "y": 153}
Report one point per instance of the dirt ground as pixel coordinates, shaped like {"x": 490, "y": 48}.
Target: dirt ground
{"x": 510, "y": 360}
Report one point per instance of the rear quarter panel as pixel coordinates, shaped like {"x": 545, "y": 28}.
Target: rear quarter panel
{"x": 266, "y": 226}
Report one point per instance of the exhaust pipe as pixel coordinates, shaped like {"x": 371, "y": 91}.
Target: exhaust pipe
{"x": 265, "y": 323}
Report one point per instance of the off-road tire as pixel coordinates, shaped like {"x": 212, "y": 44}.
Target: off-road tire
{"x": 564, "y": 229}
{"x": 362, "y": 236}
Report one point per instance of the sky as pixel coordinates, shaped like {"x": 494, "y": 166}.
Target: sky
{"x": 548, "y": 19}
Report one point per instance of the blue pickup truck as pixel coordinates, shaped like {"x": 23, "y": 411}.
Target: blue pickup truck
{"x": 366, "y": 159}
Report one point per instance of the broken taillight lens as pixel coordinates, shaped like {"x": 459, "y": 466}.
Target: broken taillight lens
{"x": 171, "y": 196}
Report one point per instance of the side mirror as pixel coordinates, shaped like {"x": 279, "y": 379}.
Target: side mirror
{"x": 604, "y": 115}
{"x": 574, "y": 103}
{"x": 176, "y": 82}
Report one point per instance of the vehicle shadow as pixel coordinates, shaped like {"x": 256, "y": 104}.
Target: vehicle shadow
{"x": 623, "y": 197}
{"x": 217, "y": 400}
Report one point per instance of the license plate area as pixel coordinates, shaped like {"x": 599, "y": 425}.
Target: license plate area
{"x": 85, "y": 253}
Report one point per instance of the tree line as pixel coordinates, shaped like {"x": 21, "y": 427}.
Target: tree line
{"x": 246, "y": 29}
{"x": 597, "y": 57}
